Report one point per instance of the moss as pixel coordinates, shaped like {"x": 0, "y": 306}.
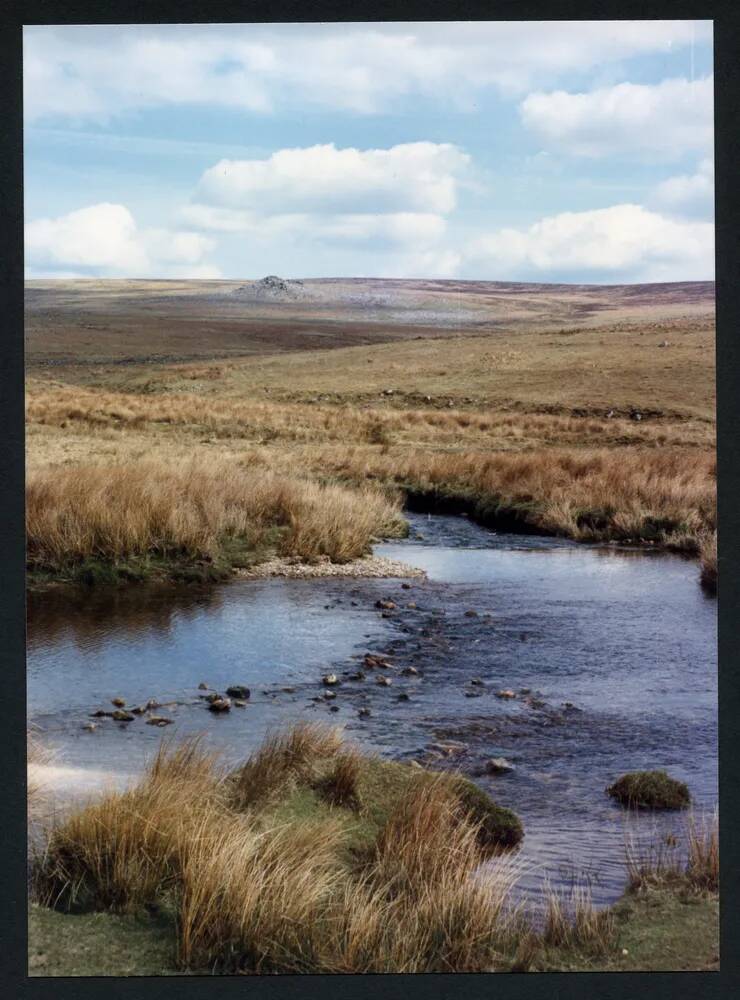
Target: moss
{"x": 380, "y": 784}
{"x": 499, "y": 827}
{"x": 650, "y": 790}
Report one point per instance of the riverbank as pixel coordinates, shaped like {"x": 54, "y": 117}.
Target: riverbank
{"x": 184, "y": 472}
{"x": 313, "y": 857}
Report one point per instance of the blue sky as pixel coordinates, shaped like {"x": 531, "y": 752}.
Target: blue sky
{"x": 556, "y": 151}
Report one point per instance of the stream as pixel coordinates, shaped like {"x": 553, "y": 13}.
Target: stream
{"x": 611, "y": 653}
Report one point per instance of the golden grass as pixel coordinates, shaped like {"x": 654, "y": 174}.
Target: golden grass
{"x": 258, "y": 894}
{"x": 259, "y": 890}
{"x": 189, "y": 510}
{"x": 587, "y": 494}
{"x": 284, "y": 758}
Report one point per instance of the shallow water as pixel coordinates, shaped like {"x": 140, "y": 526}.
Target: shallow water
{"x": 628, "y": 639}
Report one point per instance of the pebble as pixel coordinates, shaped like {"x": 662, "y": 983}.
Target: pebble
{"x": 329, "y": 695}
{"x": 121, "y": 716}
{"x": 203, "y": 686}
{"x": 364, "y": 713}
{"x": 471, "y": 614}
{"x": 410, "y": 672}
{"x": 403, "y": 696}
{"x": 118, "y": 702}
{"x": 383, "y": 681}
{"x": 477, "y": 682}
{"x": 90, "y": 727}
{"x": 506, "y": 693}
{"x": 220, "y": 705}
{"x": 329, "y": 680}
{"x": 158, "y": 720}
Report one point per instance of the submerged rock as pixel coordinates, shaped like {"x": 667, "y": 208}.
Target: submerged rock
{"x": 158, "y": 720}
{"x": 238, "y": 691}
{"x": 120, "y": 715}
{"x": 497, "y": 765}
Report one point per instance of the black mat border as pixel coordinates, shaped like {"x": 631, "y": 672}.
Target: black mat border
{"x": 12, "y": 629}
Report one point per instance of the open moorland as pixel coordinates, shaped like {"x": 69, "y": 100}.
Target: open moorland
{"x": 199, "y": 431}
{"x": 192, "y": 427}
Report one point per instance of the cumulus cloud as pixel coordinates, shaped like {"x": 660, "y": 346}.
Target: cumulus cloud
{"x": 688, "y": 194}
{"x": 416, "y": 176}
{"x": 376, "y": 197}
{"x": 90, "y": 71}
{"x": 623, "y": 242}
{"x": 664, "y": 119}
{"x": 103, "y": 240}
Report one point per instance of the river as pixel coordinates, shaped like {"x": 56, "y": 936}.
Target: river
{"x": 611, "y": 654}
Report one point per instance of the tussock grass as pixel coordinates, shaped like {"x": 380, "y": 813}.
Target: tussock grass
{"x": 284, "y": 758}
{"x": 265, "y": 879}
{"x": 125, "y": 849}
{"x": 263, "y": 891}
{"x": 198, "y": 510}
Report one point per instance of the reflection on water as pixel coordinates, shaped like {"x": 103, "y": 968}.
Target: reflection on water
{"x": 617, "y": 649}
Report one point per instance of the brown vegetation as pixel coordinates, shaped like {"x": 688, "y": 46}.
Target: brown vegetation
{"x": 257, "y": 892}
{"x": 190, "y": 511}
{"x": 690, "y": 859}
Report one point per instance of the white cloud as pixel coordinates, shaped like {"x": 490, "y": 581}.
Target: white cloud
{"x": 104, "y": 240}
{"x": 417, "y": 176}
{"x": 664, "y": 119}
{"x": 688, "y": 194}
{"x": 87, "y": 72}
{"x": 625, "y": 242}
{"x": 395, "y": 197}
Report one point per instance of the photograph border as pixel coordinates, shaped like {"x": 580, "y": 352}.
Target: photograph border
{"x": 532, "y": 986}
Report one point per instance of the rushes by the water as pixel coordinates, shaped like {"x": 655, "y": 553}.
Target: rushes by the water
{"x": 689, "y": 857}
{"x": 708, "y": 559}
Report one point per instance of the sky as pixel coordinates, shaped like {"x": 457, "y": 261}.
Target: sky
{"x": 523, "y": 151}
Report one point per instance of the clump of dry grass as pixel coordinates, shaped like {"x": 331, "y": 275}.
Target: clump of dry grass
{"x": 283, "y": 758}
{"x": 190, "y": 511}
{"x": 702, "y": 869}
{"x": 689, "y": 858}
{"x": 257, "y": 900}
{"x": 261, "y": 895}
{"x": 37, "y": 756}
{"x": 125, "y": 849}
{"x": 340, "y": 786}
{"x": 572, "y": 921}
{"x": 708, "y": 561}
